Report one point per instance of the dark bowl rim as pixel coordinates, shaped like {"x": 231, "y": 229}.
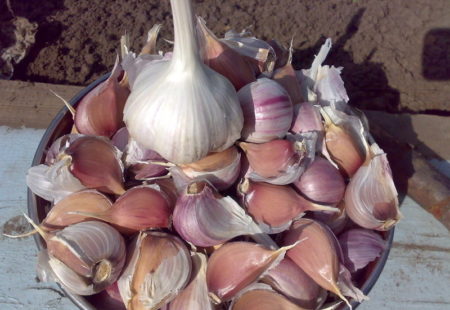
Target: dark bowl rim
{"x": 80, "y": 301}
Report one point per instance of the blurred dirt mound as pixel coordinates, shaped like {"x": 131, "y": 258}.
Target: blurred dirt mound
{"x": 383, "y": 45}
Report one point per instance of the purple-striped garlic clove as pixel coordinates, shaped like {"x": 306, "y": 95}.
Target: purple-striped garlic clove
{"x": 120, "y": 139}
{"x": 321, "y": 182}
{"x": 236, "y": 265}
{"x": 291, "y": 281}
{"x": 86, "y": 257}
{"x": 157, "y": 270}
{"x": 267, "y": 111}
{"x": 275, "y": 206}
{"x": 139, "y": 208}
{"x": 360, "y": 247}
{"x": 262, "y": 297}
{"x": 223, "y": 59}
{"x": 345, "y": 141}
{"x": 371, "y": 197}
{"x": 221, "y": 169}
{"x": 317, "y": 255}
{"x": 277, "y": 162}
{"x": 306, "y": 118}
{"x": 96, "y": 163}
{"x": 90, "y": 117}
{"x": 204, "y": 218}
{"x": 109, "y": 299}
{"x": 195, "y": 295}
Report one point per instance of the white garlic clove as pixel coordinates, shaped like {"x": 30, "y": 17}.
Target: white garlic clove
{"x": 267, "y": 111}
{"x": 371, "y": 197}
{"x": 157, "y": 270}
{"x": 204, "y": 218}
{"x": 86, "y": 257}
{"x": 195, "y": 295}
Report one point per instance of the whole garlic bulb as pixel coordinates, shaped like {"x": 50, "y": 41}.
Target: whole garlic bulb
{"x": 180, "y": 108}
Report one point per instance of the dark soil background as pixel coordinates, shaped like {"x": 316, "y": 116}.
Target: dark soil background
{"x": 395, "y": 53}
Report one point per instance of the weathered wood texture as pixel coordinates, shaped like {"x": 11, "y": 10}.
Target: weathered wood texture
{"x": 416, "y": 275}
{"x": 31, "y": 104}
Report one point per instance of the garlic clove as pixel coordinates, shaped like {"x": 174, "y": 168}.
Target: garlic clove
{"x": 204, "y": 218}
{"x": 281, "y": 52}
{"x": 267, "y": 111}
{"x": 90, "y": 117}
{"x": 208, "y": 116}
{"x": 120, "y": 139}
{"x": 317, "y": 255}
{"x": 257, "y": 51}
{"x": 291, "y": 281}
{"x": 360, "y": 247}
{"x": 306, "y": 118}
{"x": 344, "y": 138}
{"x": 158, "y": 268}
{"x": 86, "y": 257}
{"x": 275, "y": 205}
{"x": 220, "y": 169}
{"x": 60, "y": 215}
{"x": 195, "y": 295}
{"x": 139, "y": 208}
{"x": 152, "y": 35}
{"x": 237, "y": 264}
{"x": 268, "y": 159}
{"x": 336, "y": 221}
{"x": 97, "y": 164}
{"x": 287, "y": 77}
{"x": 371, "y": 197}
{"x": 262, "y": 297}
{"x": 321, "y": 182}
{"x": 58, "y": 147}
{"x": 55, "y": 182}
{"x": 139, "y": 161}
{"x": 109, "y": 299}
{"x": 223, "y": 59}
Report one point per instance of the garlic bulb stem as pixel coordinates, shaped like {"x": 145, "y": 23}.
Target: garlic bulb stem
{"x": 185, "y": 51}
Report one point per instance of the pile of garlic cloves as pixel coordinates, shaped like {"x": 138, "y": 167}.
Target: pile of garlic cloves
{"x": 214, "y": 176}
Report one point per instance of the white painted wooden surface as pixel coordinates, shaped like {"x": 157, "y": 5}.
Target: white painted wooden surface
{"x": 416, "y": 276}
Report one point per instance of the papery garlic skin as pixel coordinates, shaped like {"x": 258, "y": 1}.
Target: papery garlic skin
{"x": 371, "y": 197}
{"x": 181, "y": 108}
{"x": 267, "y": 110}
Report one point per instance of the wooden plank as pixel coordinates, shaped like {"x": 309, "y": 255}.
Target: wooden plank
{"x": 31, "y": 104}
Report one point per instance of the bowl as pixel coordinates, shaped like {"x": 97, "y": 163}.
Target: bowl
{"x": 38, "y": 207}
